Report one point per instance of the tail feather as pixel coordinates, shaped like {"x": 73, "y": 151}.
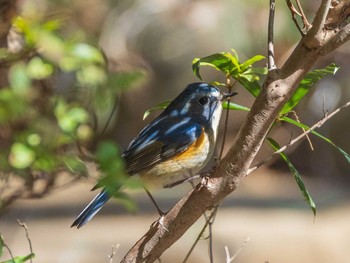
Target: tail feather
{"x": 91, "y": 209}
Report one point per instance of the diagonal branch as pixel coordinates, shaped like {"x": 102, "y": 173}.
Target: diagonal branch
{"x": 320, "y": 17}
{"x": 294, "y": 11}
{"x": 279, "y": 85}
{"x": 342, "y": 36}
{"x": 298, "y": 138}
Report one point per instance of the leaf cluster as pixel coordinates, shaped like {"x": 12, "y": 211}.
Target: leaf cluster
{"x": 53, "y": 108}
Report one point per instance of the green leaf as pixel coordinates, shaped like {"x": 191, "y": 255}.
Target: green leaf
{"x": 160, "y": 106}
{"x": 305, "y": 127}
{"x": 248, "y": 63}
{"x": 20, "y": 259}
{"x": 296, "y": 175}
{"x": 38, "y": 69}
{"x": 304, "y": 87}
{"x": 224, "y": 62}
{"x": 234, "y": 106}
{"x": 111, "y": 166}
{"x": 52, "y": 25}
{"x": 51, "y": 46}
{"x": 74, "y": 164}
{"x": 69, "y": 117}
{"x": 34, "y": 139}
{"x": 87, "y": 53}
{"x": 252, "y": 86}
{"x": 92, "y": 75}
{"x": 19, "y": 79}
{"x": 21, "y": 156}
{"x": 256, "y": 70}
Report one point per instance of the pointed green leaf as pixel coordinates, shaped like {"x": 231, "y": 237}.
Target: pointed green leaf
{"x": 223, "y": 62}
{"x": 305, "y": 127}
{"x": 20, "y": 259}
{"x": 234, "y": 60}
{"x": 304, "y": 87}
{"x": 256, "y": 70}
{"x": 246, "y": 64}
{"x": 111, "y": 166}
{"x": 252, "y": 86}
{"x": 234, "y": 53}
{"x": 160, "y": 106}
{"x": 234, "y": 106}
{"x": 296, "y": 176}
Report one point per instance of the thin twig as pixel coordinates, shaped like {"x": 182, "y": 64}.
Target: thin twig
{"x": 307, "y": 136}
{"x": 270, "y": 51}
{"x": 199, "y": 236}
{"x": 246, "y": 241}
{"x": 230, "y": 259}
{"x": 114, "y": 108}
{"x": 315, "y": 126}
{"x": 113, "y": 253}
{"x": 306, "y": 23}
{"x": 295, "y": 12}
{"x": 7, "y": 247}
{"x": 211, "y": 221}
{"x": 27, "y": 236}
{"x": 229, "y": 87}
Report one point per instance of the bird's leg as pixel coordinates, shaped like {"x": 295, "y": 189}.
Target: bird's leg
{"x": 160, "y": 212}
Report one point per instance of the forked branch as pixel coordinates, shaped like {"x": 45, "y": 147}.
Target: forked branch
{"x": 279, "y": 85}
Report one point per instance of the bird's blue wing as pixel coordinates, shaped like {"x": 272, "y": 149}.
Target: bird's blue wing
{"x": 156, "y": 143}
{"x": 160, "y": 142}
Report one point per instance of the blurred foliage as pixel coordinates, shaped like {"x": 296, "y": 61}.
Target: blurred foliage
{"x": 43, "y": 129}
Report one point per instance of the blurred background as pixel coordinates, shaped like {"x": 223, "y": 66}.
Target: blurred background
{"x": 55, "y": 111}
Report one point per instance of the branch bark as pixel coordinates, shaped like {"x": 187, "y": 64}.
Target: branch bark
{"x": 278, "y": 87}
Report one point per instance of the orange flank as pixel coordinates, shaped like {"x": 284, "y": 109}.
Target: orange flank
{"x": 195, "y": 148}
{"x": 189, "y": 162}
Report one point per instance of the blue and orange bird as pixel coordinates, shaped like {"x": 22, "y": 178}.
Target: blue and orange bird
{"x": 180, "y": 141}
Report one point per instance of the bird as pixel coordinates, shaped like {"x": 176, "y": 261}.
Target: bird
{"x": 181, "y": 140}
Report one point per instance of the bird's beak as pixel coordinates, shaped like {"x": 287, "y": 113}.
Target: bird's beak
{"x": 228, "y": 95}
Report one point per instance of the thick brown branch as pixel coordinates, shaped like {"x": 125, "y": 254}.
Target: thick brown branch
{"x": 342, "y": 36}
{"x": 232, "y": 169}
{"x": 320, "y": 18}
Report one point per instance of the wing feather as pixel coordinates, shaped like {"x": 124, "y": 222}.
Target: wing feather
{"x": 174, "y": 138}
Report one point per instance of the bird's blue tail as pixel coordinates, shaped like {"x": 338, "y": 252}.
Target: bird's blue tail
{"x": 91, "y": 209}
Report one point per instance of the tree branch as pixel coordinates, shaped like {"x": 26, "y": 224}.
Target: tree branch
{"x": 270, "y": 45}
{"x": 342, "y": 36}
{"x": 279, "y": 85}
{"x": 320, "y": 17}
{"x": 298, "y": 138}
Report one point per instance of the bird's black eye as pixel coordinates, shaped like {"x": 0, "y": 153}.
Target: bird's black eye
{"x": 203, "y": 100}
